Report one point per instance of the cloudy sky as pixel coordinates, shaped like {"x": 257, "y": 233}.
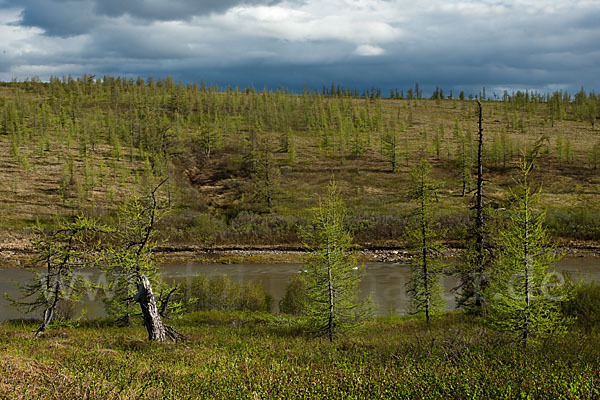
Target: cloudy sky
{"x": 466, "y": 44}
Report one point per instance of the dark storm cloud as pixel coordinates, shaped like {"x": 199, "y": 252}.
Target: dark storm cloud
{"x": 456, "y": 44}
{"x": 169, "y": 10}
{"x": 56, "y": 17}
{"x": 75, "y": 17}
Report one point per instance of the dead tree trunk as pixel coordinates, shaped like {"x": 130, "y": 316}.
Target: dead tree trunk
{"x": 479, "y": 284}
{"x": 152, "y": 320}
{"x": 157, "y": 330}
{"x": 49, "y": 312}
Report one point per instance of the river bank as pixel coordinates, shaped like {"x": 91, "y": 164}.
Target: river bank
{"x": 17, "y": 254}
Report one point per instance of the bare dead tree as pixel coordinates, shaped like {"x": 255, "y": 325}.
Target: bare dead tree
{"x": 479, "y": 228}
{"x": 472, "y": 266}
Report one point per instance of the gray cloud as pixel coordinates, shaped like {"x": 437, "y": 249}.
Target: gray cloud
{"x": 359, "y": 44}
{"x": 75, "y": 17}
{"x": 57, "y": 17}
{"x": 172, "y": 10}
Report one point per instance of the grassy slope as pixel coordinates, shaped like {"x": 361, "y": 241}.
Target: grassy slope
{"x": 260, "y": 356}
{"x": 207, "y": 192}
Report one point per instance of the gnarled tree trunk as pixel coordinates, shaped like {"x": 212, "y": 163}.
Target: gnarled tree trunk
{"x": 49, "y": 311}
{"x": 152, "y": 320}
{"x": 157, "y": 330}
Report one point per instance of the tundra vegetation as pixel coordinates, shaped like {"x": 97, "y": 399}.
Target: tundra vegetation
{"x": 247, "y": 166}
{"x": 150, "y": 160}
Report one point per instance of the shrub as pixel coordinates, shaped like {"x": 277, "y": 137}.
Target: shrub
{"x": 248, "y": 227}
{"x": 222, "y": 293}
{"x": 584, "y": 305}
{"x": 294, "y": 298}
{"x": 65, "y": 310}
{"x": 192, "y": 227}
{"x": 367, "y": 227}
{"x": 207, "y": 228}
{"x": 574, "y": 222}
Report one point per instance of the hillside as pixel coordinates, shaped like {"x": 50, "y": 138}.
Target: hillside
{"x": 247, "y": 167}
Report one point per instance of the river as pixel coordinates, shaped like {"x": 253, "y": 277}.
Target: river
{"x": 384, "y": 282}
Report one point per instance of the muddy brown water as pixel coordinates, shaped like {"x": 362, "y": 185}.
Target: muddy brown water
{"x": 384, "y": 282}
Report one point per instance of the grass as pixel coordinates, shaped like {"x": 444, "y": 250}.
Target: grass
{"x": 252, "y": 355}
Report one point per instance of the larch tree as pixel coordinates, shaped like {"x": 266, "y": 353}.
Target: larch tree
{"x": 62, "y": 252}
{"x": 390, "y": 140}
{"x": 266, "y": 177}
{"x": 423, "y": 287}
{"x": 594, "y": 155}
{"x": 131, "y": 270}
{"x": 591, "y": 110}
{"x": 465, "y": 158}
{"x": 523, "y": 295}
{"x": 332, "y": 273}
{"x": 210, "y": 136}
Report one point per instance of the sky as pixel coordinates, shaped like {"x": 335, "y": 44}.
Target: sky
{"x": 542, "y": 45}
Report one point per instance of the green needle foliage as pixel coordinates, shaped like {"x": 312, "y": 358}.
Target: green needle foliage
{"x": 472, "y": 267}
{"x": 332, "y": 273}
{"x": 130, "y": 254}
{"x": 524, "y": 297}
{"x": 390, "y": 141}
{"x": 63, "y": 252}
{"x": 424, "y": 288}
{"x": 266, "y": 178}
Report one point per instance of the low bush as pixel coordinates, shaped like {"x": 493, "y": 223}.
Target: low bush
{"x": 369, "y": 227}
{"x": 294, "y": 298}
{"x": 252, "y": 228}
{"x": 584, "y": 305}
{"x": 582, "y": 223}
{"x": 65, "y": 310}
{"x": 222, "y": 293}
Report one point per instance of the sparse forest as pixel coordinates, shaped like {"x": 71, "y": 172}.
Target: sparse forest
{"x": 246, "y": 167}
{"x": 108, "y": 170}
